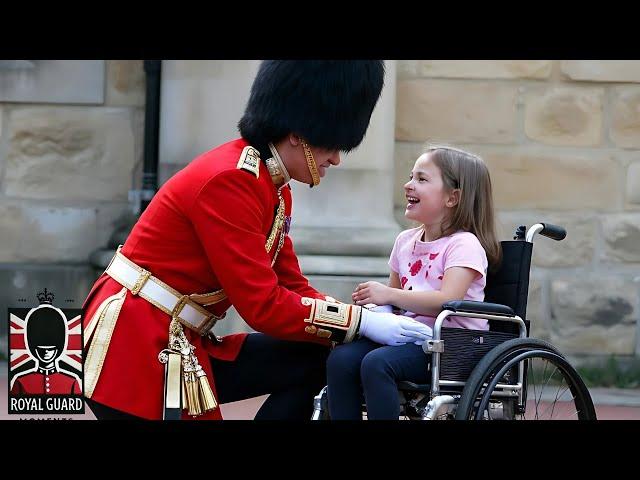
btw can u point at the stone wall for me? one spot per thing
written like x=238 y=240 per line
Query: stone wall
x=68 y=158
x=66 y=169
x=562 y=141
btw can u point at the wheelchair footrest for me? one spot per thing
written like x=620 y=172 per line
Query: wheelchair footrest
x=414 y=387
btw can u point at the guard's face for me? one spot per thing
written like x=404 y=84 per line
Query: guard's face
x=296 y=161
x=325 y=158
x=46 y=353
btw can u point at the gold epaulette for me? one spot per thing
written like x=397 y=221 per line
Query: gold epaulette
x=250 y=160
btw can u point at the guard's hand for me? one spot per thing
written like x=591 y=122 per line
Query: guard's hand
x=371 y=292
x=394 y=330
x=381 y=308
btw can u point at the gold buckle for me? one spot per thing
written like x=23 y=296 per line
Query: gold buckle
x=142 y=279
x=177 y=309
x=207 y=325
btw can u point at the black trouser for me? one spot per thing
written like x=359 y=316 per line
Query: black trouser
x=102 y=412
x=291 y=372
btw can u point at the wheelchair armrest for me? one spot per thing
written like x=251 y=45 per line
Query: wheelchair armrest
x=469 y=306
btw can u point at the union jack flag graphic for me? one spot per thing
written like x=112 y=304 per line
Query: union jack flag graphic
x=21 y=358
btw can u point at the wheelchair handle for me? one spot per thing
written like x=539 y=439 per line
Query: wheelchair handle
x=549 y=230
x=553 y=231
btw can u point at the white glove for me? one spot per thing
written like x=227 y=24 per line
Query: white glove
x=390 y=329
x=380 y=308
x=429 y=332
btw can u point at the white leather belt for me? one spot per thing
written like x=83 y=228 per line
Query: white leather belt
x=140 y=282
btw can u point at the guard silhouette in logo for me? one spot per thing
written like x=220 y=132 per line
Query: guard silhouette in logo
x=46 y=337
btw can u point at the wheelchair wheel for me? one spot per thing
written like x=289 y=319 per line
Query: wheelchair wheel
x=552 y=387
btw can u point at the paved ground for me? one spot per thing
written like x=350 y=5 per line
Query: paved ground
x=616 y=403
x=611 y=404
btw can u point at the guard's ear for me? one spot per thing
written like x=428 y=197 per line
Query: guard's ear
x=294 y=139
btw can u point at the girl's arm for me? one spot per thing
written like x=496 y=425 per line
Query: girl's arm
x=455 y=284
x=394 y=280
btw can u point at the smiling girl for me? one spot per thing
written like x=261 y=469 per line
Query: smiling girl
x=444 y=259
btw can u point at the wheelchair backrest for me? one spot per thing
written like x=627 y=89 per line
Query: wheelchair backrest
x=509 y=284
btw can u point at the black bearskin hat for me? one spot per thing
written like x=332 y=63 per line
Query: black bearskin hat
x=46 y=326
x=327 y=102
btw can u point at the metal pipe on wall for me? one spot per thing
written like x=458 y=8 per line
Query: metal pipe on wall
x=153 y=71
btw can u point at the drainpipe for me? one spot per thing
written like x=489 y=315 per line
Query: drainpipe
x=153 y=72
x=140 y=199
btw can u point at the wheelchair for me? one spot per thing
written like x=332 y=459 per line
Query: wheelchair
x=499 y=374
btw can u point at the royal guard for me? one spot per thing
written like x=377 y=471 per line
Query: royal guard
x=46 y=339
x=216 y=235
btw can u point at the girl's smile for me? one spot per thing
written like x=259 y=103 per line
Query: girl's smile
x=425 y=192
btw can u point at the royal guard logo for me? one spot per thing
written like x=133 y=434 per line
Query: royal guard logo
x=45 y=346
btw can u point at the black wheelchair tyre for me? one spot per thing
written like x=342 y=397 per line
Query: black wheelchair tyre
x=475 y=397
x=578 y=406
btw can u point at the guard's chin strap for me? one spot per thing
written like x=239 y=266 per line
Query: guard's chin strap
x=311 y=164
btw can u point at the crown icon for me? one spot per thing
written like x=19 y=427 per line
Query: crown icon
x=45 y=297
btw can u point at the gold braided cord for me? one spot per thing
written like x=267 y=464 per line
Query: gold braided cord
x=278 y=227
x=277 y=223
x=280 y=243
x=311 y=163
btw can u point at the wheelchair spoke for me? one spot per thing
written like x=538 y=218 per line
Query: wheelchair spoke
x=543 y=376
x=555 y=389
x=544 y=385
x=555 y=402
x=540 y=384
x=556 y=405
x=532 y=373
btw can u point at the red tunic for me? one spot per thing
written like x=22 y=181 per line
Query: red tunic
x=41 y=383
x=205 y=229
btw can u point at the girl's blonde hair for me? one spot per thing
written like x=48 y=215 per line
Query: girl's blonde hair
x=474 y=212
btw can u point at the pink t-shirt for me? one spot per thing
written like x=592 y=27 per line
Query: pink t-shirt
x=421 y=266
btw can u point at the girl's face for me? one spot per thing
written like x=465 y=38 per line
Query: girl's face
x=428 y=201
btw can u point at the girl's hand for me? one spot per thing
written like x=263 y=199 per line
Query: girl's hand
x=371 y=292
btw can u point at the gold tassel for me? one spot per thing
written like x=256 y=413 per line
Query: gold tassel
x=193 y=399
x=206 y=394
x=197 y=395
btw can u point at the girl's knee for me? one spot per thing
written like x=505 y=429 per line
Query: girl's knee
x=342 y=360
x=375 y=365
